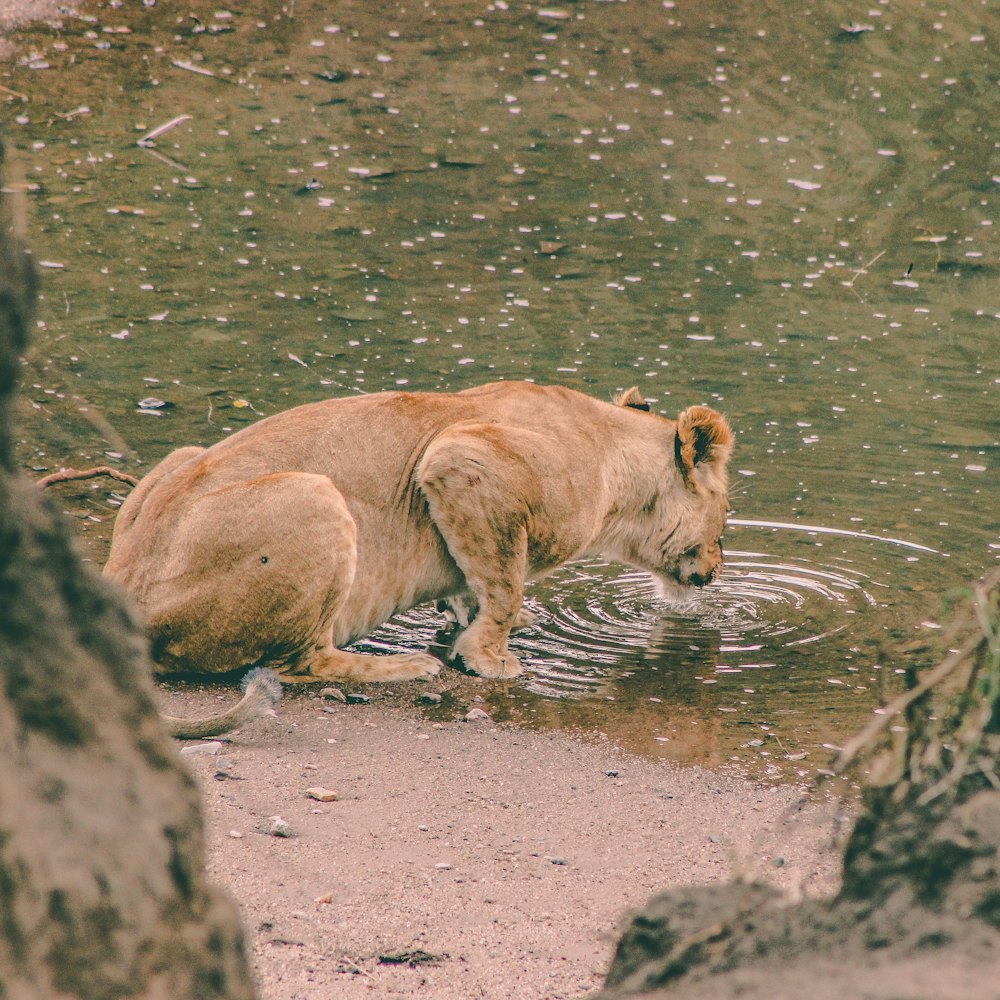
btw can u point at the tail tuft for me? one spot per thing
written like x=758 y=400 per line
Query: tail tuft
x=262 y=681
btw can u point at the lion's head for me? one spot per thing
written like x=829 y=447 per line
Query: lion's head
x=679 y=531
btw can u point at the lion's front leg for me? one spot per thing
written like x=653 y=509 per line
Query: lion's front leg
x=476 y=483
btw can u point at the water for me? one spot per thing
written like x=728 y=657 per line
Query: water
x=753 y=208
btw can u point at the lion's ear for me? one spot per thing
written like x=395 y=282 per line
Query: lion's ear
x=632 y=398
x=702 y=446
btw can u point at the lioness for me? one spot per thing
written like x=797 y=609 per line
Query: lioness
x=305 y=531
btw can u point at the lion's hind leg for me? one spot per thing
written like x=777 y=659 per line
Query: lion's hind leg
x=254 y=573
x=327 y=663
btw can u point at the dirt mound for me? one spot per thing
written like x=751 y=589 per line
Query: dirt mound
x=918 y=913
x=102 y=888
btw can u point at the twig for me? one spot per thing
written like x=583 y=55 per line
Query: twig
x=148 y=138
x=881 y=721
x=864 y=269
x=66 y=475
x=191 y=68
x=14 y=93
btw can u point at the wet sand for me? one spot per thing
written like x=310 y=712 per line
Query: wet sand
x=494 y=861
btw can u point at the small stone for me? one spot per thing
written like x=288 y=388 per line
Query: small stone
x=550 y=246
x=327 y=897
x=334 y=694
x=235 y=834
x=430 y=698
x=443 y=866
x=277 y=826
x=214 y=747
x=556 y=860
x=611 y=774
x=321 y=794
x=476 y=715
x=357 y=699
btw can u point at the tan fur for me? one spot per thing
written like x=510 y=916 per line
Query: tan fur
x=309 y=529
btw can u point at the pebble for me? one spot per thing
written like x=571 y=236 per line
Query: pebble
x=358 y=699
x=235 y=834
x=327 y=897
x=214 y=747
x=476 y=715
x=278 y=826
x=430 y=698
x=558 y=860
x=321 y=794
x=443 y=866
x=611 y=774
x=335 y=694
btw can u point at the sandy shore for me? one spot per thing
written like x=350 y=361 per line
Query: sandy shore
x=502 y=862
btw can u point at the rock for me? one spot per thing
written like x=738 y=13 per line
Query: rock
x=443 y=866
x=277 y=826
x=358 y=699
x=214 y=747
x=333 y=694
x=429 y=698
x=476 y=715
x=102 y=862
x=321 y=794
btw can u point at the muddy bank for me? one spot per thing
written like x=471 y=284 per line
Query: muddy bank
x=501 y=862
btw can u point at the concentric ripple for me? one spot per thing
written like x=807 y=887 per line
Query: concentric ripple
x=597 y=622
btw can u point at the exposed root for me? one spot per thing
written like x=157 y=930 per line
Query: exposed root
x=951 y=713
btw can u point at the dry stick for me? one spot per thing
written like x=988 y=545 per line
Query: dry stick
x=65 y=475
x=864 y=269
x=893 y=709
x=148 y=138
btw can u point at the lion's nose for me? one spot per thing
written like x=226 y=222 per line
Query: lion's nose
x=704 y=579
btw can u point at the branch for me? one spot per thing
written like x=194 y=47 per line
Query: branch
x=65 y=475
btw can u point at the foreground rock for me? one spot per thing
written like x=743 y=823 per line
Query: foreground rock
x=918 y=914
x=102 y=890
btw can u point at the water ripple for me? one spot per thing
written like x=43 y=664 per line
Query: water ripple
x=597 y=622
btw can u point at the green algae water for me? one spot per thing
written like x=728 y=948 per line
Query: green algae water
x=789 y=213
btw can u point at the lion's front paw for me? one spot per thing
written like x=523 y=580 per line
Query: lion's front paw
x=487 y=663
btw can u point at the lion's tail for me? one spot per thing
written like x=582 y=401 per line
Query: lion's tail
x=261 y=693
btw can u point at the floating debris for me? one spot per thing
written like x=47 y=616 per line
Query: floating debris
x=152 y=403
x=147 y=139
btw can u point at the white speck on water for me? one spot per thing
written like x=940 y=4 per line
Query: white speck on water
x=975 y=468
x=804 y=185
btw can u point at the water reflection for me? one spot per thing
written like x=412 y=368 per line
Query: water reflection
x=732 y=204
